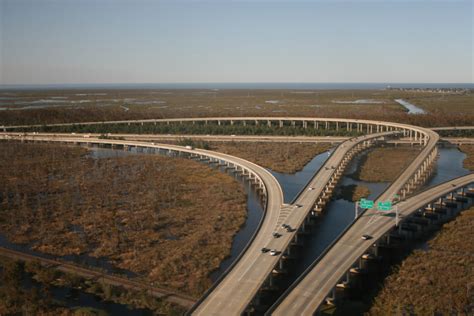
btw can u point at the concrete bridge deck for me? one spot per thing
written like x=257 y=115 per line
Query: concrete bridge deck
x=363 y=126
x=237 y=138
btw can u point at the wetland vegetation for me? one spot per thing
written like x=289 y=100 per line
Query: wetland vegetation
x=384 y=164
x=435 y=281
x=447 y=109
x=170 y=221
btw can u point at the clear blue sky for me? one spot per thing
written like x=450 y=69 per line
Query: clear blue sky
x=116 y=41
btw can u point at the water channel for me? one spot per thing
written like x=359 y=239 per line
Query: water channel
x=412 y=109
x=338 y=214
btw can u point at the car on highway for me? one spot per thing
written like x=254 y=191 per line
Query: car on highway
x=298 y=205
x=265 y=249
x=310 y=189
x=276 y=235
x=273 y=252
x=366 y=237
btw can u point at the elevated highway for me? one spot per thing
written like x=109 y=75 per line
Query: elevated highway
x=234 y=297
x=316 y=284
x=237 y=138
x=362 y=126
x=243 y=280
x=238 y=288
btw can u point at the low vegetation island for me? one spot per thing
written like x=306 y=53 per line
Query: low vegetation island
x=144 y=213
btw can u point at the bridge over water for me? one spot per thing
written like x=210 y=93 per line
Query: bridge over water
x=238 y=289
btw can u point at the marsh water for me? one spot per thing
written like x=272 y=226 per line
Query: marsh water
x=412 y=109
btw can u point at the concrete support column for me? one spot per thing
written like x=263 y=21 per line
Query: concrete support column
x=326 y=124
x=281 y=124
x=269 y=123
x=293 y=123
x=337 y=126
x=316 y=124
x=281 y=265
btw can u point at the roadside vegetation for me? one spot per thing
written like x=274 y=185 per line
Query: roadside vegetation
x=436 y=281
x=469 y=161
x=384 y=164
x=170 y=221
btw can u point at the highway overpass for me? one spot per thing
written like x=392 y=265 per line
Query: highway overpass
x=241 y=282
x=249 y=272
x=362 y=126
x=319 y=281
x=238 y=138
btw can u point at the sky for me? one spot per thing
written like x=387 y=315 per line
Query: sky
x=144 y=41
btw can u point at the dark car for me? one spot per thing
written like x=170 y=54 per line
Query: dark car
x=276 y=235
x=265 y=249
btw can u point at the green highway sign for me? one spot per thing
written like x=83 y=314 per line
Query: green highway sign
x=384 y=206
x=368 y=204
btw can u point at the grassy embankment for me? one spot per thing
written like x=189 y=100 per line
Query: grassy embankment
x=169 y=220
x=117 y=104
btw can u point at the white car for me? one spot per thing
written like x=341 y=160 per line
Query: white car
x=273 y=252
